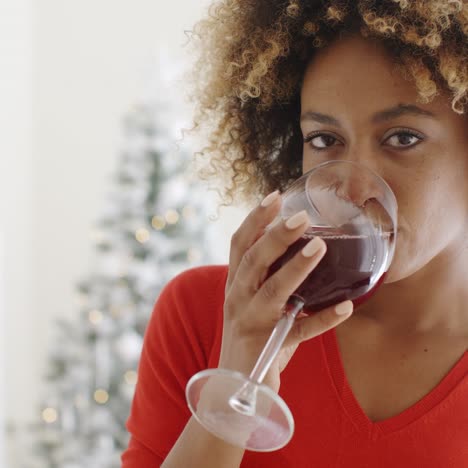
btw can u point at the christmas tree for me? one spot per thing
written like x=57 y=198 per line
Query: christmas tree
x=155 y=224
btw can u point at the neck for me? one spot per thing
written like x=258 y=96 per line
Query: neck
x=435 y=299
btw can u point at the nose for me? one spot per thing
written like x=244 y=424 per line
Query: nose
x=356 y=181
x=344 y=191
x=365 y=189
x=358 y=187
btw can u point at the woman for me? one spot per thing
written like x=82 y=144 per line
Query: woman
x=290 y=84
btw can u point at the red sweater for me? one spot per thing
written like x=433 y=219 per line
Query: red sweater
x=332 y=431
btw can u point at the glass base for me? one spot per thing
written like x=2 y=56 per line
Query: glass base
x=243 y=413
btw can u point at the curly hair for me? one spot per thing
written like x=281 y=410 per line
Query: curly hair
x=252 y=55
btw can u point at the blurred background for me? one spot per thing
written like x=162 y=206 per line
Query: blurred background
x=96 y=215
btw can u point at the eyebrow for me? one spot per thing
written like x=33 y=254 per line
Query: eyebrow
x=378 y=117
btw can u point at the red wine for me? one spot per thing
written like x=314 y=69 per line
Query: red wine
x=352 y=268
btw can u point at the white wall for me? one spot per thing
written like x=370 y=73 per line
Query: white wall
x=88 y=68
x=16 y=224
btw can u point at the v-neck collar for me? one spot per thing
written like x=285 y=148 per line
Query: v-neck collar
x=357 y=415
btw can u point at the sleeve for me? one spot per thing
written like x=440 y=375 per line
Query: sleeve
x=176 y=346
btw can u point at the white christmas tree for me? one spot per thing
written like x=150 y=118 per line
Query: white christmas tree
x=156 y=223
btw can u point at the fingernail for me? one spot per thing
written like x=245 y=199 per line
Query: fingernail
x=269 y=199
x=295 y=221
x=344 y=308
x=312 y=247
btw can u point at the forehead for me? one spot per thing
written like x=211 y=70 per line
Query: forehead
x=359 y=76
x=355 y=68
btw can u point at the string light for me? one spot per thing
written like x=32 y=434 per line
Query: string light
x=188 y=212
x=80 y=401
x=193 y=254
x=125 y=261
x=101 y=396
x=131 y=377
x=97 y=235
x=122 y=283
x=142 y=235
x=123 y=271
x=95 y=316
x=49 y=415
x=81 y=299
x=158 y=222
x=115 y=311
x=172 y=217
x=129 y=257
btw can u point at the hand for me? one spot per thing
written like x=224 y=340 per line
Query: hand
x=253 y=305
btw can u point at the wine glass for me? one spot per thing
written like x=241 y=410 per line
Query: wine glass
x=355 y=212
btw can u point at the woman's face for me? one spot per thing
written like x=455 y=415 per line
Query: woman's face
x=355 y=106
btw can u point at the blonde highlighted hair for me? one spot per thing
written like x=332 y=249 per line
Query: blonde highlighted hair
x=252 y=57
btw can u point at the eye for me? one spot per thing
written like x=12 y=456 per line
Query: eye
x=321 y=141
x=403 y=139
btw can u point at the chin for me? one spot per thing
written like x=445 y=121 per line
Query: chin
x=400 y=269
x=393 y=276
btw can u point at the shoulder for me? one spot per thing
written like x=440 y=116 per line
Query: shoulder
x=179 y=341
x=203 y=276
x=205 y=282
x=190 y=307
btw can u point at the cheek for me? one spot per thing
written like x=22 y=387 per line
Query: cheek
x=306 y=165
x=431 y=216
x=431 y=197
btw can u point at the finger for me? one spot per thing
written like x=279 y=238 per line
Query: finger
x=250 y=230
x=277 y=289
x=311 y=326
x=257 y=260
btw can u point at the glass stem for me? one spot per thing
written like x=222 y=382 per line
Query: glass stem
x=244 y=400
x=277 y=337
